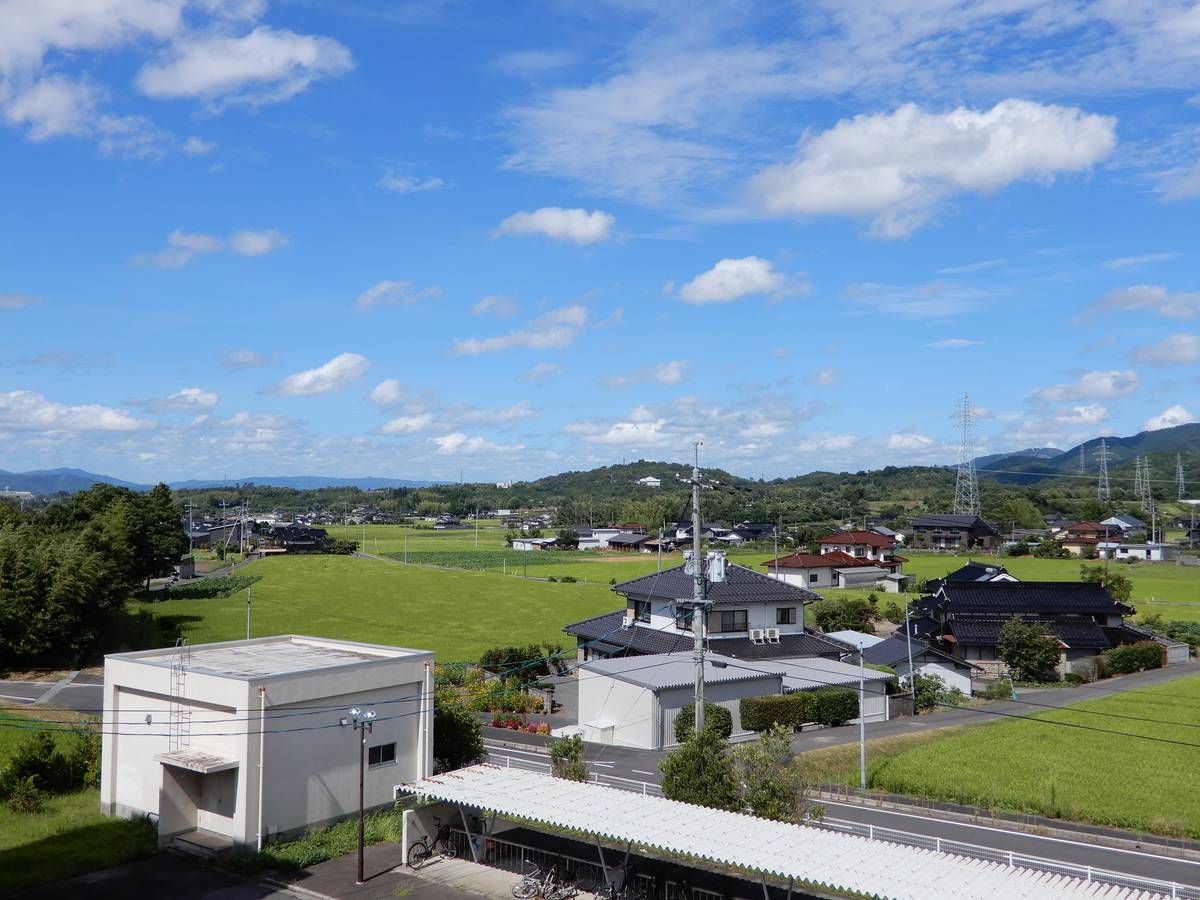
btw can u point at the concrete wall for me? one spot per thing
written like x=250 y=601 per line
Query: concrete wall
x=727 y=694
x=629 y=710
x=951 y=677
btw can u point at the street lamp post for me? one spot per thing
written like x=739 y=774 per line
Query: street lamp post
x=361 y=720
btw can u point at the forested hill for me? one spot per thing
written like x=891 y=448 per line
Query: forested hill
x=1160 y=446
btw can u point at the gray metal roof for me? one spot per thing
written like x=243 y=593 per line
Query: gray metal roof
x=741 y=585
x=671 y=670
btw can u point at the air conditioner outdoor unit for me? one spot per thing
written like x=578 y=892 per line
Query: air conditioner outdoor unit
x=756 y=635
x=627 y=622
x=772 y=635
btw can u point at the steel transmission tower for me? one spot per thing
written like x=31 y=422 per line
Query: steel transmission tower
x=1082 y=459
x=1103 y=455
x=1145 y=494
x=1179 y=480
x=1137 y=476
x=966 y=486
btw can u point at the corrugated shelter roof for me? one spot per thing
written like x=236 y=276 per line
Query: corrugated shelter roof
x=823 y=859
x=741 y=585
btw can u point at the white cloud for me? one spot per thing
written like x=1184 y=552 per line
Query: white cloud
x=195 y=146
x=967 y=269
x=515 y=413
x=182 y=247
x=532 y=63
x=576 y=225
x=1130 y=262
x=408 y=424
x=1170 y=417
x=333 y=375
x=899 y=168
x=934 y=300
x=822 y=377
x=953 y=343
x=625 y=434
x=29 y=410
x=557 y=328
x=1180 y=183
x=266 y=65
x=542 y=371
x=458 y=444
x=256 y=243
x=907 y=441
x=1093 y=385
x=496 y=305
x=1149 y=297
x=663 y=373
x=1082 y=416
x=732 y=279
x=17 y=301
x=402 y=183
x=387 y=293
x=1176 y=350
x=389 y=392
x=189 y=398
x=236 y=360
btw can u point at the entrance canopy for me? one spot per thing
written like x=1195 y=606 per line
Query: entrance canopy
x=809 y=856
x=201 y=761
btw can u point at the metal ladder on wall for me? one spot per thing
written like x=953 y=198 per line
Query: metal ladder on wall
x=179 y=729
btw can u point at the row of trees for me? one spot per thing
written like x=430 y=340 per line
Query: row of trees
x=67 y=570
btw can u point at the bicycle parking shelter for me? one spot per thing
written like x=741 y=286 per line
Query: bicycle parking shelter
x=793 y=855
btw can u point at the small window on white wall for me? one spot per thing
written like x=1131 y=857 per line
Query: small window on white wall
x=381 y=755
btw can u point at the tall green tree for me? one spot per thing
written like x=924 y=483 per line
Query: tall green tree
x=771 y=784
x=566 y=759
x=457 y=737
x=1119 y=586
x=701 y=772
x=1030 y=650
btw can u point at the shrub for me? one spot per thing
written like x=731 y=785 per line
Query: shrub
x=930 y=692
x=717 y=721
x=763 y=713
x=38 y=761
x=834 y=705
x=701 y=772
x=999 y=690
x=1074 y=678
x=568 y=579
x=1134 y=657
x=24 y=796
x=566 y=759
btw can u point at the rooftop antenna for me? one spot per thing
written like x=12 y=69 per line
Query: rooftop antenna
x=1103 y=455
x=966 y=485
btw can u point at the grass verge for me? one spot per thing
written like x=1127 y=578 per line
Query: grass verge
x=287 y=858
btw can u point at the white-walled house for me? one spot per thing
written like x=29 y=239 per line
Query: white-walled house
x=838 y=569
x=1150 y=552
x=860 y=544
x=237 y=743
x=650 y=481
x=750 y=616
x=894 y=652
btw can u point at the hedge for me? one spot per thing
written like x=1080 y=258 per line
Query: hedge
x=788 y=710
x=834 y=705
x=1134 y=657
x=717 y=720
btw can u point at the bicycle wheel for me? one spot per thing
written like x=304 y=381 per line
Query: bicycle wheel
x=418 y=855
x=525 y=889
x=447 y=849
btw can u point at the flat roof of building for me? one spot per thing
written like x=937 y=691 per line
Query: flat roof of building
x=660 y=671
x=288 y=654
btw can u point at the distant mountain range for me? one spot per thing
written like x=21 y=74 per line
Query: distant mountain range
x=53 y=481
x=1026 y=467
x=1019 y=467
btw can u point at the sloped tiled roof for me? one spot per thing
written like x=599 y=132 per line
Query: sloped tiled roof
x=741 y=585
x=1080 y=634
x=895 y=649
x=1036 y=597
x=858 y=537
x=950 y=520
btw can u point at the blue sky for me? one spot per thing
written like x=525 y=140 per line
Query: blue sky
x=362 y=238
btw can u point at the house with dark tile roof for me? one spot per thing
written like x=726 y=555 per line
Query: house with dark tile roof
x=951 y=531
x=964 y=618
x=750 y=616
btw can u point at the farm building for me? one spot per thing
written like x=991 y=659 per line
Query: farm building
x=525 y=544
x=233 y=744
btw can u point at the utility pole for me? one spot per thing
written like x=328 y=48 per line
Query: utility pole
x=862 y=721
x=776 y=530
x=1103 y=455
x=361 y=720
x=249 y=608
x=698 y=610
x=912 y=675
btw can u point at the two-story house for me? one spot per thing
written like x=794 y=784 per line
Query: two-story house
x=838 y=569
x=750 y=616
x=951 y=531
x=860 y=544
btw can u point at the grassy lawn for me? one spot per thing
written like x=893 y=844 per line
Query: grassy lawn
x=1068 y=773
x=68 y=837
x=456 y=614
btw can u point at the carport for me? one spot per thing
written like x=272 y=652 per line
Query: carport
x=795 y=855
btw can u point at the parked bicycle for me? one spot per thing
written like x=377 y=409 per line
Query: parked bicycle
x=422 y=849
x=546 y=884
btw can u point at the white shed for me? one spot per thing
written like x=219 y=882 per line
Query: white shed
x=954 y=672
x=633 y=701
x=235 y=743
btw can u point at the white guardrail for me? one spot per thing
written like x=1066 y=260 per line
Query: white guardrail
x=1090 y=874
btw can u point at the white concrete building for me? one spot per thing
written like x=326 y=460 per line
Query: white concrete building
x=650 y=481
x=1151 y=552
x=236 y=743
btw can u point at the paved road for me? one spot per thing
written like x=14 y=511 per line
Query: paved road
x=162 y=875
x=84 y=693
